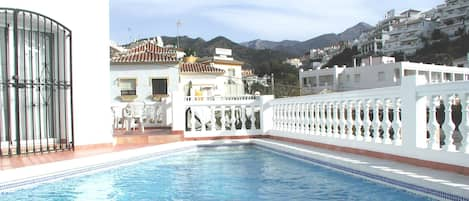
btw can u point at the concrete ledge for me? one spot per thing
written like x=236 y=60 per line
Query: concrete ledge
x=412 y=161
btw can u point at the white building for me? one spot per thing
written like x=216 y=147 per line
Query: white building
x=198 y=79
x=296 y=62
x=57 y=25
x=407 y=35
x=145 y=73
x=372 y=42
x=454 y=16
x=380 y=74
x=233 y=70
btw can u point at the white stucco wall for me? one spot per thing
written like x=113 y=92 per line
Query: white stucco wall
x=369 y=76
x=144 y=73
x=198 y=80
x=89 y=22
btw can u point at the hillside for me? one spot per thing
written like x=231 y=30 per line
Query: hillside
x=300 y=47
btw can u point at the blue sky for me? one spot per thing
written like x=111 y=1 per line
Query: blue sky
x=244 y=20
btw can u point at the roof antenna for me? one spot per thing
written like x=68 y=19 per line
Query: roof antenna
x=178 y=24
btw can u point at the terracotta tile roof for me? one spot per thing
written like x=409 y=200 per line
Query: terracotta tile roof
x=198 y=68
x=146 y=53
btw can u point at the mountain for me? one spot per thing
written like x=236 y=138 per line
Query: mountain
x=261 y=60
x=355 y=31
x=265 y=44
x=299 y=48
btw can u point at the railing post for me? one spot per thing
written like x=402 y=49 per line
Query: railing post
x=266 y=113
x=414 y=133
x=178 y=106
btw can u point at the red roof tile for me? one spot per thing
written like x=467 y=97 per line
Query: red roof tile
x=147 y=53
x=198 y=68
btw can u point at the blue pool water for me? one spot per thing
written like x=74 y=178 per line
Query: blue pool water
x=219 y=173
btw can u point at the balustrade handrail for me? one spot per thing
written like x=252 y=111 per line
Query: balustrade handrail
x=220 y=98
x=438 y=88
x=343 y=96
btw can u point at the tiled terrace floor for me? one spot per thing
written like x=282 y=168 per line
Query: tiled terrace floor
x=125 y=141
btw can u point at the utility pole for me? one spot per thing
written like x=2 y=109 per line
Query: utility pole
x=178 y=24
x=273 y=83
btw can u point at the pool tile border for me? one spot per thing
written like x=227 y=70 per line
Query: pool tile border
x=386 y=180
x=21 y=183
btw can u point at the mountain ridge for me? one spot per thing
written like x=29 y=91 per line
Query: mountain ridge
x=300 y=47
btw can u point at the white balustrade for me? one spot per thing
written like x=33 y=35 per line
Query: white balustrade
x=367 y=121
x=386 y=122
x=464 y=126
x=396 y=123
x=376 y=122
x=358 y=121
x=433 y=126
x=211 y=116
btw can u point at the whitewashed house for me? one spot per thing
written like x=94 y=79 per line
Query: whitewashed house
x=233 y=79
x=383 y=72
x=145 y=74
x=197 y=79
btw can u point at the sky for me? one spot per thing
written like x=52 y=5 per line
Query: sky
x=245 y=20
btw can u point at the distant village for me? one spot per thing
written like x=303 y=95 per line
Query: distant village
x=402 y=33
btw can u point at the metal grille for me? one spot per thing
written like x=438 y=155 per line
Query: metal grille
x=36 y=104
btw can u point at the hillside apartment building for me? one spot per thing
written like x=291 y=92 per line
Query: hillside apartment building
x=376 y=72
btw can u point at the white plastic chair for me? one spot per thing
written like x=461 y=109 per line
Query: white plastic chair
x=137 y=115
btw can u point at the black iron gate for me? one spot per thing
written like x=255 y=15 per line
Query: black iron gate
x=36 y=112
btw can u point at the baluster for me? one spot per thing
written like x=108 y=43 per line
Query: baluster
x=358 y=121
x=336 y=119
x=386 y=121
x=397 y=124
x=350 y=121
x=214 y=121
x=243 y=117
x=311 y=119
x=329 y=121
x=192 y=119
x=253 y=117
x=223 y=119
x=276 y=117
x=233 y=120
x=318 y=119
x=287 y=117
x=376 y=122
x=448 y=126
x=433 y=126
x=343 y=121
x=323 y=119
x=280 y=117
x=201 y=118
x=297 y=118
x=367 y=121
x=464 y=126
x=305 y=112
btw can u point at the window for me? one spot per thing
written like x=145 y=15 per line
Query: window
x=128 y=86
x=356 y=78
x=159 y=86
x=381 y=76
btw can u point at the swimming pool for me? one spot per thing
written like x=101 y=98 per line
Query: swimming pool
x=216 y=173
